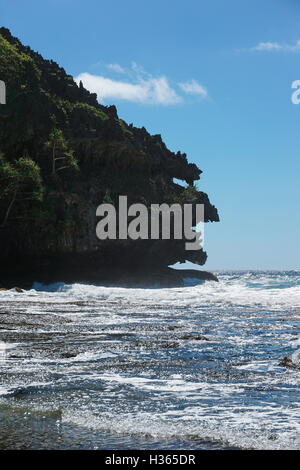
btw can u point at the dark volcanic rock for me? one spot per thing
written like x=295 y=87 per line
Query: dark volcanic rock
x=195 y=274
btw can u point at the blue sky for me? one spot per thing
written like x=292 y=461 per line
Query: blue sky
x=214 y=79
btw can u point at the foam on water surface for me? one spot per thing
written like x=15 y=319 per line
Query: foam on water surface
x=193 y=364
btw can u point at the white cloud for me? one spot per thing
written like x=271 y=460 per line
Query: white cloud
x=267 y=46
x=192 y=87
x=146 y=91
x=138 y=86
x=275 y=46
x=116 y=68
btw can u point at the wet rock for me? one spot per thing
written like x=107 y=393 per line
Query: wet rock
x=68 y=355
x=197 y=274
x=194 y=337
x=14 y=289
x=289 y=363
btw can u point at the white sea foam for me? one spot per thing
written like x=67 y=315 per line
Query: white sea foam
x=244 y=430
x=243 y=290
x=138 y=366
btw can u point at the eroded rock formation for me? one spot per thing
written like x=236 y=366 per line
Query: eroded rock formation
x=48 y=217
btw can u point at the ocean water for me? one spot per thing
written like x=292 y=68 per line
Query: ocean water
x=199 y=367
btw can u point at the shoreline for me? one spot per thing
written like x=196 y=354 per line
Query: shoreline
x=146 y=276
x=45 y=430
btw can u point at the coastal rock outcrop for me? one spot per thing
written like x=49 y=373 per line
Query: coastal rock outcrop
x=61 y=155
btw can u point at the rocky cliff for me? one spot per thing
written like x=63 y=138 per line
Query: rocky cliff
x=61 y=155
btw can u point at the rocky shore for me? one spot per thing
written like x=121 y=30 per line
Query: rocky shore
x=26 y=275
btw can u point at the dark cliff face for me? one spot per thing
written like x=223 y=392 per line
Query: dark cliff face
x=47 y=208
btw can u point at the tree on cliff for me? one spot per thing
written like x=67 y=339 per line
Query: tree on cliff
x=19 y=182
x=60 y=152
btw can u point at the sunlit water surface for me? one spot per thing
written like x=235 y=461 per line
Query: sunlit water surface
x=198 y=367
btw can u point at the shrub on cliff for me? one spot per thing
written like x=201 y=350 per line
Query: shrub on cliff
x=20 y=185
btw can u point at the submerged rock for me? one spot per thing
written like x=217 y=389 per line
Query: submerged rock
x=194 y=337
